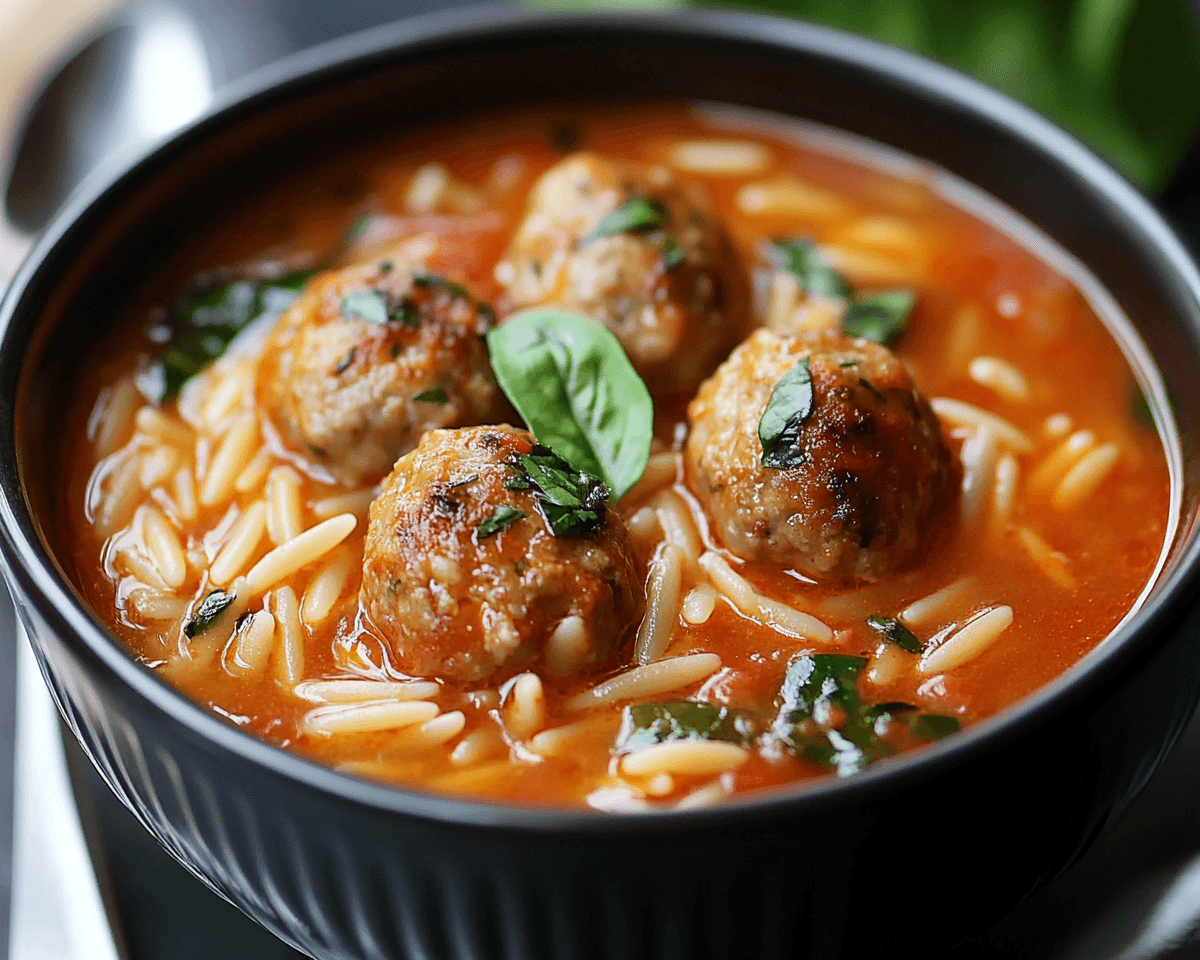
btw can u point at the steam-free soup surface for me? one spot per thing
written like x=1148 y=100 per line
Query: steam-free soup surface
x=703 y=638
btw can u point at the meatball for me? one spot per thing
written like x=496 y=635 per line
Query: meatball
x=865 y=468
x=669 y=285
x=371 y=356
x=463 y=575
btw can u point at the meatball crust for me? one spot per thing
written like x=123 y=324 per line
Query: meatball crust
x=874 y=461
x=371 y=356
x=673 y=294
x=457 y=600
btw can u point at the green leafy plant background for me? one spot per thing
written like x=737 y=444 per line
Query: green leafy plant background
x=1123 y=75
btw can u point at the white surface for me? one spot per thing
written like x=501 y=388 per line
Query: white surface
x=57 y=913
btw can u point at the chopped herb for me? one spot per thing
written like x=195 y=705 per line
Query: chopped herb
x=203 y=324
x=571 y=381
x=432 y=395
x=570 y=501
x=848 y=364
x=645 y=724
x=502 y=518
x=799 y=258
x=368 y=305
x=423 y=278
x=386 y=267
x=880 y=316
x=209 y=611
x=396 y=348
x=870 y=386
x=638 y=215
x=405 y=311
x=823 y=717
x=344 y=363
x=893 y=631
x=790 y=405
x=932 y=726
x=672 y=254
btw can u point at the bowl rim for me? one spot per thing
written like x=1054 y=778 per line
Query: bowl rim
x=30 y=566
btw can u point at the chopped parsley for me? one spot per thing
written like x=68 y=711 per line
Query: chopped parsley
x=432 y=395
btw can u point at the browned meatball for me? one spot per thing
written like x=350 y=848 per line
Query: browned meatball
x=371 y=356
x=868 y=463
x=463 y=576
x=670 y=288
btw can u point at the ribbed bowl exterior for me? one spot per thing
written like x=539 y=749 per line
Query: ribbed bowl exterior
x=916 y=851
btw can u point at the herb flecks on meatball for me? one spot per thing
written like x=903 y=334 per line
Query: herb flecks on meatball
x=464 y=574
x=848 y=481
x=634 y=249
x=370 y=357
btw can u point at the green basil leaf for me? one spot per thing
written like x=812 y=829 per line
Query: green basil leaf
x=502 y=518
x=432 y=395
x=209 y=611
x=672 y=254
x=816 y=685
x=368 y=305
x=423 y=278
x=204 y=323
x=645 y=724
x=572 y=383
x=893 y=631
x=570 y=501
x=880 y=316
x=639 y=215
x=817 y=279
x=933 y=726
x=790 y=405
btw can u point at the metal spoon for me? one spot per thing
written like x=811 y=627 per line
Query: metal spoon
x=144 y=74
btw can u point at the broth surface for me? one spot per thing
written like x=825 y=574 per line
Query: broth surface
x=1069 y=558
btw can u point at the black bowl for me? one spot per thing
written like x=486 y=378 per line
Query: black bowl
x=918 y=850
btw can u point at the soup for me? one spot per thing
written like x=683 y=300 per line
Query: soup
x=872 y=501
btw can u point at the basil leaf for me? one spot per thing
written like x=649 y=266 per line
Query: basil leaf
x=209 y=611
x=823 y=717
x=432 y=395
x=880 y=316
x=638 y=215
x=672 y=254
x=205 y=323
x=570 y=380
x=933 y=726
x=502 y=518
x=817 y=279
x=570 y=501
x=790 y=405
x=368 y=305
x=423 y=278
x=645 y=724
x=893 y=631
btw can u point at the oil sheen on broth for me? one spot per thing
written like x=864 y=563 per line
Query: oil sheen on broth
x=933 y=538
